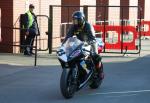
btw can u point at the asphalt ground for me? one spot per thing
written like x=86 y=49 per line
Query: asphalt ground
x=127 y=80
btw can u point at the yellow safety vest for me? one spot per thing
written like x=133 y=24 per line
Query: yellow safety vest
x=30 y=17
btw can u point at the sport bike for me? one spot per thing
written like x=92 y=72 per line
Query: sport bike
x=79 y=67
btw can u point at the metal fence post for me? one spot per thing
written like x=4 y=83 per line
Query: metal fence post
x=50 y=29
x=140 y=9
x=35 y=61
x=105 y=27
x=122 y=31
x=85 y=11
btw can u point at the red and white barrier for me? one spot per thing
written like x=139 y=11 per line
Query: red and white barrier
x=117 y=45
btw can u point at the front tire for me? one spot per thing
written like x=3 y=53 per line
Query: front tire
x=66 y=85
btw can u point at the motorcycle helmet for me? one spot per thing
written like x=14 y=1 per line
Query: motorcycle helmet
x=78 y=18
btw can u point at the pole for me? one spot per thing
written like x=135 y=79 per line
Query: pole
x=35 y=59
x=50 y=29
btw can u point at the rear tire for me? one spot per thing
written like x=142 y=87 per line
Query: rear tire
x=97 y=78
x=66 y=85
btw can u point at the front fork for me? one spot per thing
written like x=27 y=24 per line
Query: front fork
x=75 y=75
x=75 y=72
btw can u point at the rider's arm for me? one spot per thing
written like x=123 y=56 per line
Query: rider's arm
x=92 y=38
x=91 y=32
x=69 y=34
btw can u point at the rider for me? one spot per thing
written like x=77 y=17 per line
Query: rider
x=83 y=30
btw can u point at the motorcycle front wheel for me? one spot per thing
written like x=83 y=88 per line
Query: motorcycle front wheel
x=66 y=85
x=97 y=78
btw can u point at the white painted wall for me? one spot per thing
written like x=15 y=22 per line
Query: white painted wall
x=147 y=10
x=114 y=12
x=91 y=10
x=133 y=12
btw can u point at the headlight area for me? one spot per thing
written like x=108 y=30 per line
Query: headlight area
x=64 y=64
x=69 y=64
x=75 y=53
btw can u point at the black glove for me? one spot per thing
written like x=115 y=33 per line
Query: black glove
x=91 y=42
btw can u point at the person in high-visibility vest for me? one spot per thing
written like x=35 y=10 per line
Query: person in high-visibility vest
x=31 y=29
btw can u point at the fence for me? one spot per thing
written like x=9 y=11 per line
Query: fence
x=17 y=45
x=117 y=29
x=121 y=33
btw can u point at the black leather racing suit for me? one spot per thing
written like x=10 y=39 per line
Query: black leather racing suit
x=85 y=33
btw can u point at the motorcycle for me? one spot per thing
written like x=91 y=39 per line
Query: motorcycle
x=78 y=67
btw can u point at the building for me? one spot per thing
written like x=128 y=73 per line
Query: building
x=10 y=11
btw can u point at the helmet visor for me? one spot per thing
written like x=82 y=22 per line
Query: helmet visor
x=78 y=21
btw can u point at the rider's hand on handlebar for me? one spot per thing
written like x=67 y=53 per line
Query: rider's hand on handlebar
x=91 y=42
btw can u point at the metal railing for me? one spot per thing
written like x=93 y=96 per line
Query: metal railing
x=85 y=8
x=15 y=31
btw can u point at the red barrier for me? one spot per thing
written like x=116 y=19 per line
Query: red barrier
x=145 y=33
x=126 y=45
x=130 y=45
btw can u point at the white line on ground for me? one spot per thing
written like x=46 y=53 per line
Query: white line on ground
x=123 y=92
x=126 y=95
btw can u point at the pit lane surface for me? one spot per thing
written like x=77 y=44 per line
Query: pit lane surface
x=125 y=82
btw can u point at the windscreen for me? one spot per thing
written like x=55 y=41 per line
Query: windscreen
x=71 y=44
